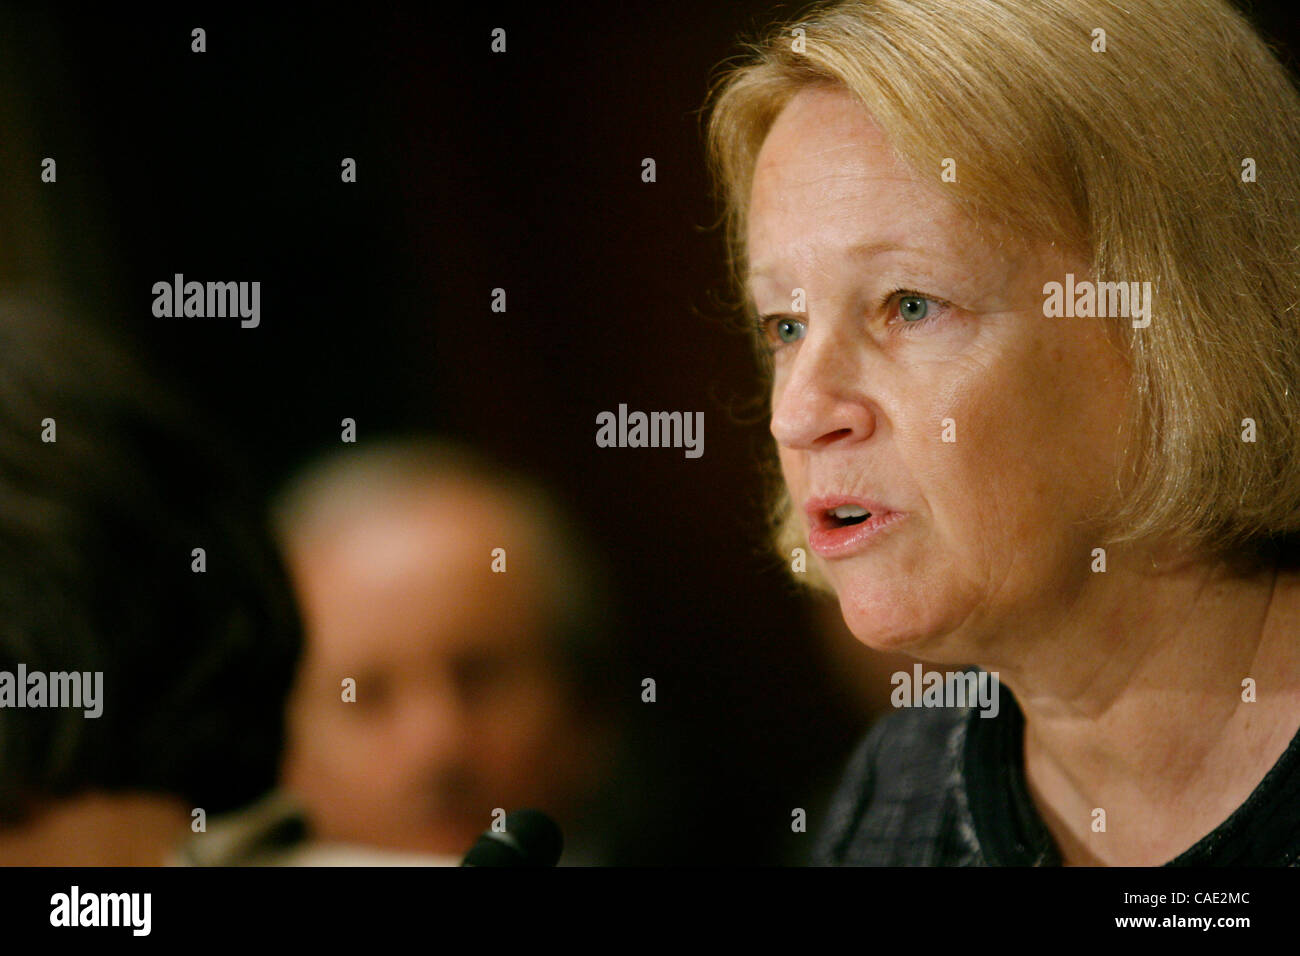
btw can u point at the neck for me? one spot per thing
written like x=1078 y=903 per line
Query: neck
x=1134 y=704
x=98 y=830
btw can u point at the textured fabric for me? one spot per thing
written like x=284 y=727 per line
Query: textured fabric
x=945 y=786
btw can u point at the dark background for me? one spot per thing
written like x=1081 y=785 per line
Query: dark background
x=475 y=171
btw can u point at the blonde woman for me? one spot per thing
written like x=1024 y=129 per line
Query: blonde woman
x=1027 y=277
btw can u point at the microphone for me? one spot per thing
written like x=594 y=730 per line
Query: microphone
x=530 y=838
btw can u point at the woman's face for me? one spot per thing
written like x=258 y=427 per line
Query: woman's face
x=924 y=385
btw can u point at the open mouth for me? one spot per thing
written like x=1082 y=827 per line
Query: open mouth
x=846 y=516
x=840 y=526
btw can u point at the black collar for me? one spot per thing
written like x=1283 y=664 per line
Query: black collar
x=1263 y=831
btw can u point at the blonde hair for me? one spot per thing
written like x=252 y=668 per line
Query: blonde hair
x=1134 y=156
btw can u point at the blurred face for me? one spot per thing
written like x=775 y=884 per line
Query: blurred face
x=948 y=448
x=458 y=709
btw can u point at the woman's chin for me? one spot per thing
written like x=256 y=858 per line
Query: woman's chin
x=890 y=627
x=889 y=641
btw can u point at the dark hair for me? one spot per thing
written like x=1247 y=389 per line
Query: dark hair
x=96 y=533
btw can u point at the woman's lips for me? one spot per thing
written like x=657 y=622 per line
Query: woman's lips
x=830 y=538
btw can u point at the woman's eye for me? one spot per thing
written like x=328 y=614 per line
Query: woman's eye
x=778 y=331
x=789 y=330
x=913 y=308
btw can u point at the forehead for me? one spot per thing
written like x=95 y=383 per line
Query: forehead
x=414 y=573
x=826 y=181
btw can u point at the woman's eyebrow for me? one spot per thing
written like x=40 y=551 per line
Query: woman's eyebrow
x=860 y=250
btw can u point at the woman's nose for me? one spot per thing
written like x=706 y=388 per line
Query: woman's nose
x=821 y=399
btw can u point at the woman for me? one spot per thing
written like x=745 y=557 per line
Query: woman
x=1028 y=278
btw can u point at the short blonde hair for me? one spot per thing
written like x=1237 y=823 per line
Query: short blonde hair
x=1135 y=155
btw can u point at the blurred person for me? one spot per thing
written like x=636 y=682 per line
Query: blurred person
x=106 y=489
x=108 y=484
x=460 y=603
x=142 y=685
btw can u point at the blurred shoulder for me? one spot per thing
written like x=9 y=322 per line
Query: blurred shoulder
x=273 y=832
